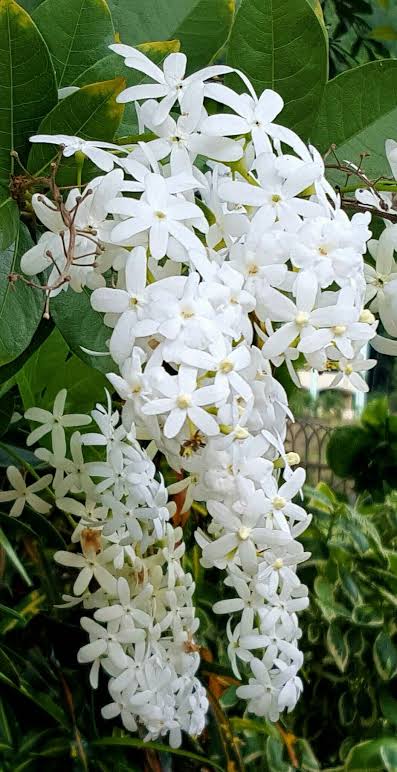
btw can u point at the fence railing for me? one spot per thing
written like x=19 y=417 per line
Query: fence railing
x=310 y=438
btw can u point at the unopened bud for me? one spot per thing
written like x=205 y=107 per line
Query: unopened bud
x=366 y=316
x=292 y=458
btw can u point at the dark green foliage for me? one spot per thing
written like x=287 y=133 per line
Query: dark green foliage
x=367 y=452
x=350 y=642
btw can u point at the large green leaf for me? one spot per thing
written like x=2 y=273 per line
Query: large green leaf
x=112 y=66
x=9 y=218
x=21 y=307
x=27 y=82
x=52 y=368
x=80 y=326
x=202 y=26
x=358 y=113
x=77 y=33
x=91 y=113
x=368 y=755
x=11 y=368
x=283 y=46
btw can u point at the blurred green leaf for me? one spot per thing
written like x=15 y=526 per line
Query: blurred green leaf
x=367 y=616
x=7 y=404
x=135 y=742
x=13 y=557
x=275 y=756
x=385 y=656
x=347 y=709
x=337 y=646
x=367 y=755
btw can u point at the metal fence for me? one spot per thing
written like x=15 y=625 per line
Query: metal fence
x=310 y=438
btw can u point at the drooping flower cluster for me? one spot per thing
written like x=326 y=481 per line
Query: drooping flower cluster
x=130 y=580
x=221 y=273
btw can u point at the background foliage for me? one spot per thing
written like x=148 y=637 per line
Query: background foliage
x=333 y=64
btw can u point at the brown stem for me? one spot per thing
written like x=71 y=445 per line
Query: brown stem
x=289 y=741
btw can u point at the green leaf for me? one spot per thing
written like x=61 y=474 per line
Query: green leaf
x=135 y=742
x=12 y=368
x=21 y=307
x=385 y=656
x=346 y=708
x=326 y=601
x=52 y=368
x=27 y=82
x=77 y=33
x=25 y=611
x=112 y=66
x=388 y=706
x=6 y=410
x=349 y=585
x=9 y=454
x=275 y=755
x=337 y=646
x=355 y=443
x=202 y=26
x=80 y=326
x=367 y=616
x=10 y=612
x=388 y=754
x=13 y=557
x=358 y=112
x=307 y=759
x=367 y=755
x=283 y=46
x=9 y=219
x=91 y=113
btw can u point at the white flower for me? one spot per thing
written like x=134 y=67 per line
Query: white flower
x=260 y=692
x=276 y=193
x=350 y=369
x=94 y=150
x=244 y=533
x=184 y=139
x=170 y=83
x=253 y=116
x=182 y=399
x=91 y=565
x=25 y=494
x=302 y=319
x=159 y=213
x=381 y=280
x=54 y=422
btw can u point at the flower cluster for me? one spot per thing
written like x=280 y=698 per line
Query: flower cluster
x=130 y=573
x=230 y=256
